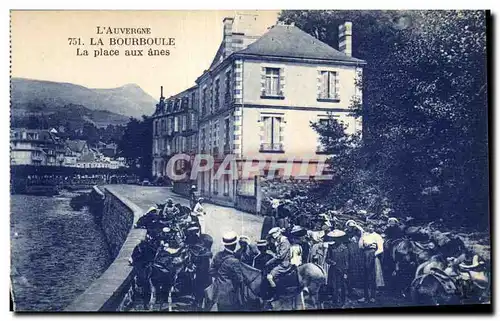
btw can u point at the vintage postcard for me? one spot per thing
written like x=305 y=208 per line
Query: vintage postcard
x=240 y=161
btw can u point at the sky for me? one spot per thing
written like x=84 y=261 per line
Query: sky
x=41 y=48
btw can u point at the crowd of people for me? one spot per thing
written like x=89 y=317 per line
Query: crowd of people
x=358 y=258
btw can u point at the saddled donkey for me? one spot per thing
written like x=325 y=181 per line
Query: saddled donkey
x=450 y=281
x=165 y=270
x=142 y=258
x=310 y=279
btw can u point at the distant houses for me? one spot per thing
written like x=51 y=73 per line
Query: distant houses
x=41 y=147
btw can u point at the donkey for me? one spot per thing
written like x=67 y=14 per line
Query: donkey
x=310 y=279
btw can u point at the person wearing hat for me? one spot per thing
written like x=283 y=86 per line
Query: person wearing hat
x=264 y=256
x=198 y=214
x=337 y=259
x=372 y=245
x=200 y=259
x=247 y=250
x=228 y=278
x=149 y=219
x=192 y=234
x=356 y=256
x=297 y=234
x=282 y=258
x=169 y=210
x=393 y=231
x=192 y=197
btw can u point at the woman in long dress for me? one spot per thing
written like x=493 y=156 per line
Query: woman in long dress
x=372 y=245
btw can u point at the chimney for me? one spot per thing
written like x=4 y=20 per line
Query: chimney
x=227 y=36
x=161 y=91
x=345 y=38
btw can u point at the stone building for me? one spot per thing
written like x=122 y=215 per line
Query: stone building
x=259 y=97
x=174 y=130
x=35 y=147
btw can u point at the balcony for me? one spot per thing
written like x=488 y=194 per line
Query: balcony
x=227 y=149
x=271 y=148
x=215 y=151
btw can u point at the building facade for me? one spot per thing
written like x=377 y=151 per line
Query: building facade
x=260 y=95
x=35 y=147
x=175 y=127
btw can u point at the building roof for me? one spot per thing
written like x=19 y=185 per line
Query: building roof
x=291 y=42
x=76 y=145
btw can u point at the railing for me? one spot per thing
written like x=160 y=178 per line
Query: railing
x=271 y=147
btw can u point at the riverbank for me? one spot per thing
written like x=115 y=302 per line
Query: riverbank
x=116 y=215
x=56 y=252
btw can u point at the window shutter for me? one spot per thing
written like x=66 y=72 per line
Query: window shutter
x=337 y=86
x=282 y=82
x=319 y=89
x=276 y=130
x=267 y=130
x=263 y=81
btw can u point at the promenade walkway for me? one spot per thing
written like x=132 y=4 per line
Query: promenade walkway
x=219 y=219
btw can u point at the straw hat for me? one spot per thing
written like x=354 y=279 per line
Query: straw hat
x=230 y=238
x=334 y=236
x=351 y=223
x=244 y=238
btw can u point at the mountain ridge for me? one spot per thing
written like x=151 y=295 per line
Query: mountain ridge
x=129 y=100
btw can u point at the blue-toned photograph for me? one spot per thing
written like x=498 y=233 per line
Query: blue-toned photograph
x=250 y=161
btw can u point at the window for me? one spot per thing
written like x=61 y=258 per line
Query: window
x=163 y=127
x=176 y=124
x=184 y=122
x=227 y=95
x=216 y=94
x=203 y=140
x=215 y=187
x=226 y=133
x=215 y=137
x=272 y=83
x=328 y=85
x=193 y=121
x=324 y=121
x=272 y=134
x=204 y=100
x=226 y=185
x=193 y=96
x=183 y=144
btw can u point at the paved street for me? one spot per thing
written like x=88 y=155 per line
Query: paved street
x=219 y=219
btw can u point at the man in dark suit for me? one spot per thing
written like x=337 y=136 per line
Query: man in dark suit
x=228 y=278
x=264 y=256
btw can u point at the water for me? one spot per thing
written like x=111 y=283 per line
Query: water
x=56 y=252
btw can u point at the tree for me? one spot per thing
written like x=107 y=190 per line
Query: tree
x=424 y=106
x=136 y=145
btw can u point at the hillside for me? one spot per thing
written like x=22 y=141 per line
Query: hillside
x=27 y=95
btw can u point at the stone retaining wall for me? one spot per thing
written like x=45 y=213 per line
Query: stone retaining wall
x=111 y=291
